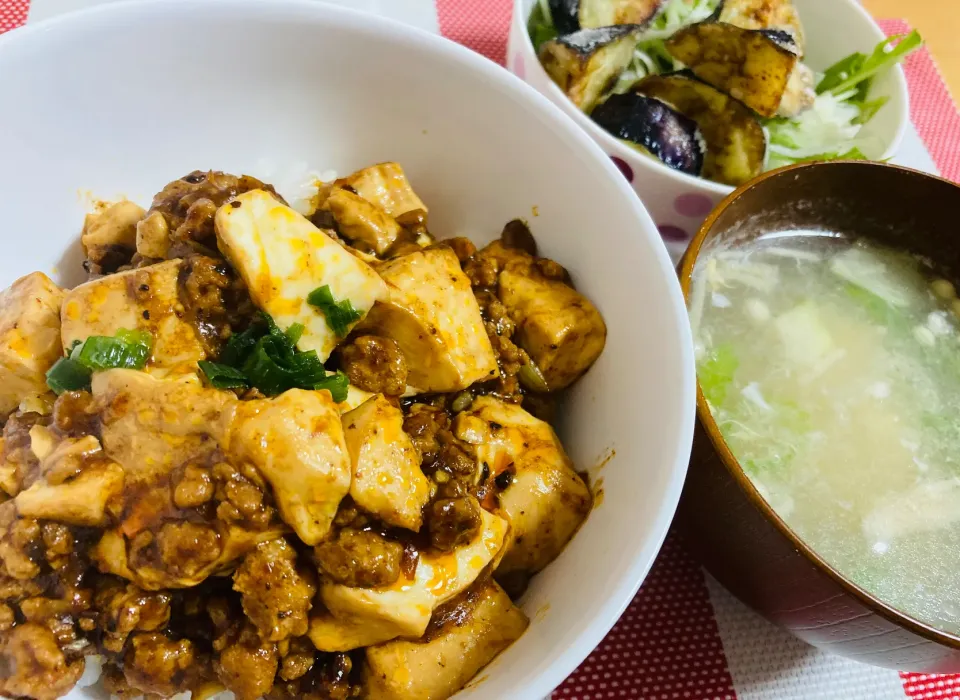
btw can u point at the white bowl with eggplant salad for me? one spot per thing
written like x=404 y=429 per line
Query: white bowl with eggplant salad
x=692 y=98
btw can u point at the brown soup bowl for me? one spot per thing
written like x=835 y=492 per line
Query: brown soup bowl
x=726 y=522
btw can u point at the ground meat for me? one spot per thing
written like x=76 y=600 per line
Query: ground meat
x=242 y=497
x=215 y=300
x=453 y=517
x=510 y=357
x=58 y=543
x=463 y=247
x=32 y=665
x=186 y=548
x=332 y=678
x=16 y=447
x=193 y=488
x=375 y=364
x=299 y=658
x=483 y=271
x=360 y=558
x=7 y=617
x=13 y=591
x=276 y=592
x=75 y=415
x=59 y=616
x=247 y=665
x=21 y=544
x=154 y=663
x=429 y=429
x=189 y=204
x=124 y=609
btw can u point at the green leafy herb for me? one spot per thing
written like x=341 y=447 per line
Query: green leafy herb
x=125 y=350
x=336 y=384
x=68 y=375
x=339 y=314
x=541 y=26
x=857 y=68
x=223 y=376
x=716 y=373
x=265 y=357
x=295 y=332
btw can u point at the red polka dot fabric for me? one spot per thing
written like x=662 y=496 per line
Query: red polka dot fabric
x=665 y=646
x=920 y=686
x=13 y=13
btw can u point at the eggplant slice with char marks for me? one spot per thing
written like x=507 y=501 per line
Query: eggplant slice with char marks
x=586 y=64
x=655 y=128
x=736 y=144
x=778 y=15
x=746 y=64
x=572 y=15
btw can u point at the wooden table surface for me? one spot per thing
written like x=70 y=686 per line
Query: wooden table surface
x=939 y=23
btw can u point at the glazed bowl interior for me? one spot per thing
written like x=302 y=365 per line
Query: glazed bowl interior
x=277 y=89
x=888 y=205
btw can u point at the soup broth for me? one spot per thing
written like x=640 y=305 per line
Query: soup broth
x=832 y=368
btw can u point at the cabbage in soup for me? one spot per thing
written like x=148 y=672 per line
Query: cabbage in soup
x=833 y=371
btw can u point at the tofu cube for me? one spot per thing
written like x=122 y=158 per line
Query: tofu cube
x=147 y=299
x=29 y=337
x=385 y=185
x=433 y=315
x=441 y=663
x=363 y=616
x=546 y=501
x=282 y=257
x=387 y=480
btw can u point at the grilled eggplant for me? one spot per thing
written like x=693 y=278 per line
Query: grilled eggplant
x=654 y=127
x=744 y=63
x=586 y=63
x=736 y=144
x=571 y=15
x=777 y=15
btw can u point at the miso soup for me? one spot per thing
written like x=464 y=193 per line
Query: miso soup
x=832 y=368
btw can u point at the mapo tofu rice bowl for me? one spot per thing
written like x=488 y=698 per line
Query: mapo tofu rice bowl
x=391 y=397
x=282 y=455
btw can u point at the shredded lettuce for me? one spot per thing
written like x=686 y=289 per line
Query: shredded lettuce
x=829 y=129
x=651 y=56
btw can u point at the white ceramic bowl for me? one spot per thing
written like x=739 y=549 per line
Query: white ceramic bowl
x=121 y=99
x=678 y=202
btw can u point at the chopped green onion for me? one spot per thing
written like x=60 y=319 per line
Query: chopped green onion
x=339 y=314
x=68 y=375
x=295 y=332
x=127 y=350
x=336 y=384
x=222 y=376
x=265 y=357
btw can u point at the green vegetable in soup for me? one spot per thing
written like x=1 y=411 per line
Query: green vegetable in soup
x=715 y=374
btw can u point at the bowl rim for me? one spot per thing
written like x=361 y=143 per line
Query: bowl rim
x=559 y=663
x=621 y=150
x=706 y=420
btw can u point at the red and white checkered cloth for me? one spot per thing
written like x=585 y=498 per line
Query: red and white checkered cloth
x=684 y=637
